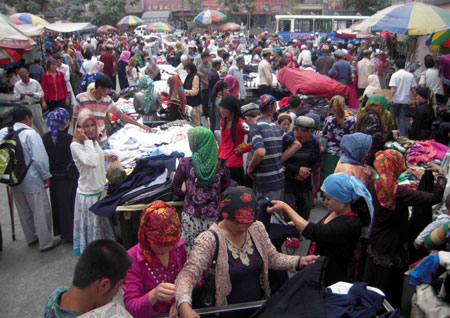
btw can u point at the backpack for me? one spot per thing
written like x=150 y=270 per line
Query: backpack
x=13 y=168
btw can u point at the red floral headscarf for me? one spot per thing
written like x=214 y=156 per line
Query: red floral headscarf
x=160 y=225
x=389 y=164
x=239 y=204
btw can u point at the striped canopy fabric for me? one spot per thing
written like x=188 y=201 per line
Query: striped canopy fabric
x=208 y=17
x=130 y=20
x=27 y=18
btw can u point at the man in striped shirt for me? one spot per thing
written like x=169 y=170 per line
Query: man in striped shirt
x=99 y=103
x=266 y=138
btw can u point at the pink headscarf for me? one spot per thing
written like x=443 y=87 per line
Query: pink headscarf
x=125 y=56
x=233 y=85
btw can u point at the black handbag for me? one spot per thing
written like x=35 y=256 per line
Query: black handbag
x=205 y=295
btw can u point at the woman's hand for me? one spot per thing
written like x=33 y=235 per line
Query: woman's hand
x=306 y=260
x=162 y=292
x=278 y=206
x=173 y=311
x=185 y=310
x=238 y=152
x=44 y=105
x=436 y=168
x=80 y=135
x=67 y=101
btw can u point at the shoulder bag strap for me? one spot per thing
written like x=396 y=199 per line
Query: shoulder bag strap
x=216 y=252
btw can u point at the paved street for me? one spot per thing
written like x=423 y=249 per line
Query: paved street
x=27 y=276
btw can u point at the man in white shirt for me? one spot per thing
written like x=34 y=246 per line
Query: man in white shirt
x=265 y=73
x=402 y=83
x=88 y=63
x=364 y=68
x=30 y=92
x=304 y=57
x=430 y=78
x=237 y=71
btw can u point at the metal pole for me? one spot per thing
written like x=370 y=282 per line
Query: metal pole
x=11 y=211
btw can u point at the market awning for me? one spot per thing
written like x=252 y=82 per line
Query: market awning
x=13 y=38
x=156 y=16
x=34 y=31
x=69 y=27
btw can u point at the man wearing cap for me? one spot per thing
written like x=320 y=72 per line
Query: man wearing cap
x=298 y=187
x=237 y=70
x=265 y=167
x=110 y=64
x=304 y=57
x=364 y=68
x=292 y=48
x=265 y=73
x=203 y=72
x=340 y=70
x=325 y=62
x=180 y=68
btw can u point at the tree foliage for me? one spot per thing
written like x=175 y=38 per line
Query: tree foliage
x=366 y=7
x=28 y=6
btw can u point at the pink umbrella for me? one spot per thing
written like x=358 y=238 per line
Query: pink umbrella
x=104 y=29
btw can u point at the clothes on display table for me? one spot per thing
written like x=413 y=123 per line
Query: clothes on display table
x=138 y=182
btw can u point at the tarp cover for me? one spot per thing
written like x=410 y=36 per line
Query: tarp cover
x=308 y=82
x=32 y=30
x=11 y=37
x=68 y=27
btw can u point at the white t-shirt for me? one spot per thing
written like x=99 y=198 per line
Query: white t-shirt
x=403 y=81
x=430 y=78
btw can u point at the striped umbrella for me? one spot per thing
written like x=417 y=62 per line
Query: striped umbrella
x=208 y=17
x=130 y=20
x=412 y=19
x=160 y=27
x=440 y=40
x=106 y=29
x=8 y=55
x=27 y=18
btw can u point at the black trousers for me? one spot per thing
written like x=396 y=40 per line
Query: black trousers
x=205 y=102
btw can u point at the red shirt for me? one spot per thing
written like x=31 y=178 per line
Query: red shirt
x=227 y=145
x=108 y=59
x=54 y=89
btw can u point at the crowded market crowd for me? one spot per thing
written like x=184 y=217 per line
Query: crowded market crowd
x=261 y=158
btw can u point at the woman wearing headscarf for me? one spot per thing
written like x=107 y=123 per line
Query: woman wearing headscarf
x=64 y=173
x=278 y=59
x=377 y=104
x=54 y=87
x=387 y=253
x=177 y=100
x=355 y=148
x=96 y=71
x=374 y=87
x=338 y=233
x=338 y=123
x=245 y=256
x=200 y=179
x=147 y=101
x=232 y=135
x=192 y=91
x=423 y=116
x=121 y=69
x=220 y=89
x=90 y=162
x=233 y=85
x=149 y=287
x=132 y=75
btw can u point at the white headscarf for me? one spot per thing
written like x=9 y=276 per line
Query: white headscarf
x=374 y=86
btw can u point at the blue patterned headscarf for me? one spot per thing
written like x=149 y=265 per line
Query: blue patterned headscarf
x=146 y=82
x=55 y=119
x=266 y=100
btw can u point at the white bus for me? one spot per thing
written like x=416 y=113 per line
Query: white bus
x=291 y=27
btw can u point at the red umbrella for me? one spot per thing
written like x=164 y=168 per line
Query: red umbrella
x=104 y=29
x=229 y=26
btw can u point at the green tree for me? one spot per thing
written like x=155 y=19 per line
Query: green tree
x=75 y=12
x=366 y=7
x=28 y=6
x=240 y=5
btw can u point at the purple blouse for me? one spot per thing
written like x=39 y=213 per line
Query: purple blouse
x=198 y=202
x=143 y=277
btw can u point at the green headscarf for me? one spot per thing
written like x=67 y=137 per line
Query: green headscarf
x=204 y=155
x=379 y=99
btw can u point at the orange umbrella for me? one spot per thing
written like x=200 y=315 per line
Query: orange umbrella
x=229 y=26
